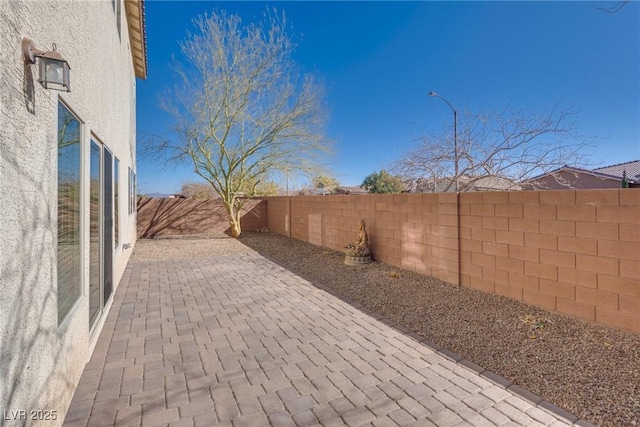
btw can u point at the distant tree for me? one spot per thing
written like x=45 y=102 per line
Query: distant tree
x=262 y=188
x=382 y=182
x=243 y=111
x=325 y=182
x=203 y=190
x=268 y=189
x=508 y=145
x=625 y=182
x=197 y=190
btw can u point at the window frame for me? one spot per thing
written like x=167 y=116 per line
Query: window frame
x=116 y=208
x=129 y=176
x=132 y=192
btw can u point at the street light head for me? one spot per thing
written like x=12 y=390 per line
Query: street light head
x=433 y=94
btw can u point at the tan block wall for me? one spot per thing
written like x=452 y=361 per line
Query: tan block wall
x=417 y=232
x=279 y=220
x=165 y=217
x=576 y=252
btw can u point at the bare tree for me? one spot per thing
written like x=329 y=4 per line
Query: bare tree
x=615 y=8
x=243 y=110
x=495 y=150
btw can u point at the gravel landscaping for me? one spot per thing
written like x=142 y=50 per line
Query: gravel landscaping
x=591 y=371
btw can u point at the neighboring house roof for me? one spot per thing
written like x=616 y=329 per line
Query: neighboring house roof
x=572 y=169
x=313 y=192
x=493 y=183
x=632 y=168
x=340 y=189
x=352 y=190
x=137 y=36
x=466 y=183
x=584 y=178
x=607 y=172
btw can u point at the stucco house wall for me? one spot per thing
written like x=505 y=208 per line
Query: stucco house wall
x=41 y=360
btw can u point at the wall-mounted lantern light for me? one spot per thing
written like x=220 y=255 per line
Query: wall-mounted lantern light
x=54 y=69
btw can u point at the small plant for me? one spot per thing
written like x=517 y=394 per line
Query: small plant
x=537 y=324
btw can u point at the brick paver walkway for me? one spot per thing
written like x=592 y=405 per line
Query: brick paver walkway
x=240 y=341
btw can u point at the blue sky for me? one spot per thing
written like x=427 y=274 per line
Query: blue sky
x=379 y=60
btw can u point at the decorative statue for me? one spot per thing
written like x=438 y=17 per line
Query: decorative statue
x=361 y=246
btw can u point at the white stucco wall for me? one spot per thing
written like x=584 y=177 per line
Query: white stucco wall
x=40 y=362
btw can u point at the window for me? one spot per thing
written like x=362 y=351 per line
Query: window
x=116 y=187
x=69 y=256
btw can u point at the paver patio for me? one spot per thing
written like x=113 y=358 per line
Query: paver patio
x=240 y=341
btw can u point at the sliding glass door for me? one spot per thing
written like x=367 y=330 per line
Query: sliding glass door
x=100 y=230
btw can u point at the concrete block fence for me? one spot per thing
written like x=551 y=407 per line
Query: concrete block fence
x=165 y=217
x=573 y=252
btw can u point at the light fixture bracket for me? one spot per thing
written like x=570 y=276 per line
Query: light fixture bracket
x=29 y=51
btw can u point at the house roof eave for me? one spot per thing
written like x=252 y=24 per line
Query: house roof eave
x=632 y=168
x=134 y=10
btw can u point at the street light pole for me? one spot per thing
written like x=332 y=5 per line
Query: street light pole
x=455 y=139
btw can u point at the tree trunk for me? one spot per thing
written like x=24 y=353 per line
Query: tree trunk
x=234 y=221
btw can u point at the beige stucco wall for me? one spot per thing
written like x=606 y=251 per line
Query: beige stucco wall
x=40 y=363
